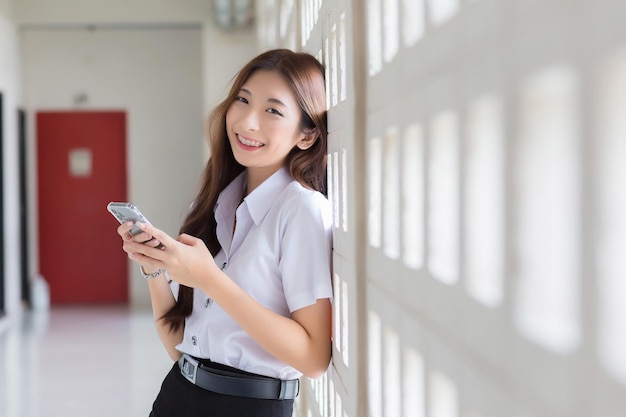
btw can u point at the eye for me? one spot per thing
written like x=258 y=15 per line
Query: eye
x=241 y=99
x=272 y=110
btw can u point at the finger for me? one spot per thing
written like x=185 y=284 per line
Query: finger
x=161 y=240
x=154 y=243
x=140 y=250
x=143 y=237
x=157 y=234
x=124 y=231
x=146 y=262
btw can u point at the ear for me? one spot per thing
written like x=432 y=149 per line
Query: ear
x=307 y=140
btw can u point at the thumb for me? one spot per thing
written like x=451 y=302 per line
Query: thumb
x=187 y=239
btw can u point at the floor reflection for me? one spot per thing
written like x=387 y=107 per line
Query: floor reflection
x=80 y=361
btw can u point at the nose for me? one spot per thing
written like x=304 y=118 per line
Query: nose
x=249 y=119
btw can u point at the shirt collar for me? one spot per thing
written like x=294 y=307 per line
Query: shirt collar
x=230 y=197
x=262 y=198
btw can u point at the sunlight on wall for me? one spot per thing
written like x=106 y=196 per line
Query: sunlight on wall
x=375 y=180
x=413 y=197
x=334 y=68
x=391 y=35
x=332 y=411
x=327 y=70
x=343 y=66
x=334 y=163
x=340 y=411
x=611 y=215
x=484 y=201
x=345 y=323
x=320 y=389
x=391 y=195
x=443 y=398
x=442 y=10
x=413 y=26
x=374 y=344
x=547 y=307
x=413 y=386
x=341 y=324
x=443 y=204
x=392 y=391
x=344 y=188
x=375 y=36
x=309 y=17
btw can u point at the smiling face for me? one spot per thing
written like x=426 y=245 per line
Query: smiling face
x=263 y=125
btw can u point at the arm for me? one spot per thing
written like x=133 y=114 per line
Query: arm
x=302 y=341
x=162 y=300
x=161 y=296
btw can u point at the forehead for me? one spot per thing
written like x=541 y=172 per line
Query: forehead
x=268 y=84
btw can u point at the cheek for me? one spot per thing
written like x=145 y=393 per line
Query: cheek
x=288 y=130
x=229 y=119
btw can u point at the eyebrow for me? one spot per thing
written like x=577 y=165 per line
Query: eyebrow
x=271 y=100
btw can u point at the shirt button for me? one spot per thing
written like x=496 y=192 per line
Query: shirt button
x=208 y=302
x=194 y=340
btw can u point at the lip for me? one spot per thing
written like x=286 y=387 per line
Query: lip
x=245 y=146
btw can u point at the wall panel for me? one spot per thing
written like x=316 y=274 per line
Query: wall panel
x=476 y=157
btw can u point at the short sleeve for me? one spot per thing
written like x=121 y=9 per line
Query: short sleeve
x=306 y=245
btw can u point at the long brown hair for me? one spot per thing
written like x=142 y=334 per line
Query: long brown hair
x=305 y=76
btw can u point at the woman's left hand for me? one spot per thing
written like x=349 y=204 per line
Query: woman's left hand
x=186 y=259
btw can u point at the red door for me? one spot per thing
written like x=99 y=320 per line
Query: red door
x=81 y=167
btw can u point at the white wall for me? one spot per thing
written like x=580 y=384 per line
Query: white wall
x=164 y=62
x=224 y=53
x=111 y=11
x=155 y=75
x=476 y=155
x=10 y=87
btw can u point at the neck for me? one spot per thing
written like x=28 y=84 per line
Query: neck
x=257 y=176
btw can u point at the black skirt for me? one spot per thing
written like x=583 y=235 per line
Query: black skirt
x=180 y=398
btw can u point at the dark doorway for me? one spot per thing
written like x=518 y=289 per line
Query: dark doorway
x=2 y=295
x=24 y=253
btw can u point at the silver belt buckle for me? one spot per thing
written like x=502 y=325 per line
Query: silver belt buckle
x=188 y=367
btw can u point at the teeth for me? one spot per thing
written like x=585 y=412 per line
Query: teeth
x=248 y=142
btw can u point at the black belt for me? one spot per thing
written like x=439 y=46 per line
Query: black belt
x=232 y=383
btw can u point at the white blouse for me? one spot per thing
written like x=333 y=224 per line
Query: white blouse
x=280 y=254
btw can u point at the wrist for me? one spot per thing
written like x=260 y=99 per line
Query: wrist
x=150 y=275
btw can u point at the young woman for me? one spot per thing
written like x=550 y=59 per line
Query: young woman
x=242 y=296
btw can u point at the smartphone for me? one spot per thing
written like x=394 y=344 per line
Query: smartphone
x=125 y=212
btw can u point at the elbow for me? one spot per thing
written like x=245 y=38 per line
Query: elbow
x=317 y=368
x=319 y=363
x=315 y=373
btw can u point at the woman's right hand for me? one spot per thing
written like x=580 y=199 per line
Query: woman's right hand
x=147 y=239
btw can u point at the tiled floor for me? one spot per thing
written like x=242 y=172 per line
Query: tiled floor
x=86 y=361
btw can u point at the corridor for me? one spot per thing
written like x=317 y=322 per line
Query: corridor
x=476 y=176
x=80 y=361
